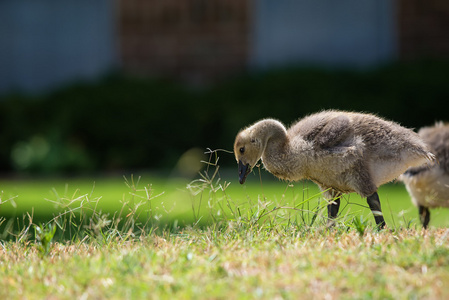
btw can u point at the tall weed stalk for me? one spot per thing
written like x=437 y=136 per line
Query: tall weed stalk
x=224 y=212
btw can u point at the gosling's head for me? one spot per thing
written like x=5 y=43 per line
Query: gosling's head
x=248 y=150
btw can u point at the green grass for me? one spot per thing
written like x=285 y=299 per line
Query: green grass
x=235 y=263
x=167 y=238
x=175 y=203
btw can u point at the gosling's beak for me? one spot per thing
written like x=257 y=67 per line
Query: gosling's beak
x=243 y=171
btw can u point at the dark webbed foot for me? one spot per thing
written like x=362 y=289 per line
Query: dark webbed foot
x=424 y=216
x=332 y=211
x=333 y=207
x=374 y=205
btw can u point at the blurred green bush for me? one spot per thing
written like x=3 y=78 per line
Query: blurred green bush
x=127 y=123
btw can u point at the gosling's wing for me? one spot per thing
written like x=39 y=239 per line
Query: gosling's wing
x=333 y=132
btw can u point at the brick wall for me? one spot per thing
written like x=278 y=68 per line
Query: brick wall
x=202 y=40
x=423 y=28
x=192 y=40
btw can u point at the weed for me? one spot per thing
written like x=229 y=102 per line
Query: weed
x=79 y=217
x=2 y=219
x=44 y=236
x=261 y=214
x=359 y=224
x=212 y=184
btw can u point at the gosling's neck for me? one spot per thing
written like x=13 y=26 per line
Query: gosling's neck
x=268 y=133
x=281 y=156
x=272 y=136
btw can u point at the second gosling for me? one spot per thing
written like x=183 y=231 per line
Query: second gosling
x=429 y=186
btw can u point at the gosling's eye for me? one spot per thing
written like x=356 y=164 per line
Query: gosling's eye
x=242 y=150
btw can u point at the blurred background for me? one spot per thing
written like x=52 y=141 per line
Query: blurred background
x=106 y=86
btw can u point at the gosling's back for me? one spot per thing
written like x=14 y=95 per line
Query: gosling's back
x=384 y=147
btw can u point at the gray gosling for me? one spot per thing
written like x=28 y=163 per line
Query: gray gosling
x=342 y=152
x=429 y=186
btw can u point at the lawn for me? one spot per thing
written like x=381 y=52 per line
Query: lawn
x=171 y=199
x=240 y=262
x=217 y=239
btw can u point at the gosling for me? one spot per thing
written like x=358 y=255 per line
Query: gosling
x=342 y=152
x=429 y=186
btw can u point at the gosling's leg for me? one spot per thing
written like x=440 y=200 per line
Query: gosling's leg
x=374 y=205
x=333 y=207
x=332 y=211
x=424 y=216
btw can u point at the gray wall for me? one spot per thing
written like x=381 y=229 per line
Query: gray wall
x=45 y=43
x=355 y=33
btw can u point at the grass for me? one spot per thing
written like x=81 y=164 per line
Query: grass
x=212 y=239
x=235 y=263
x=42 y=198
